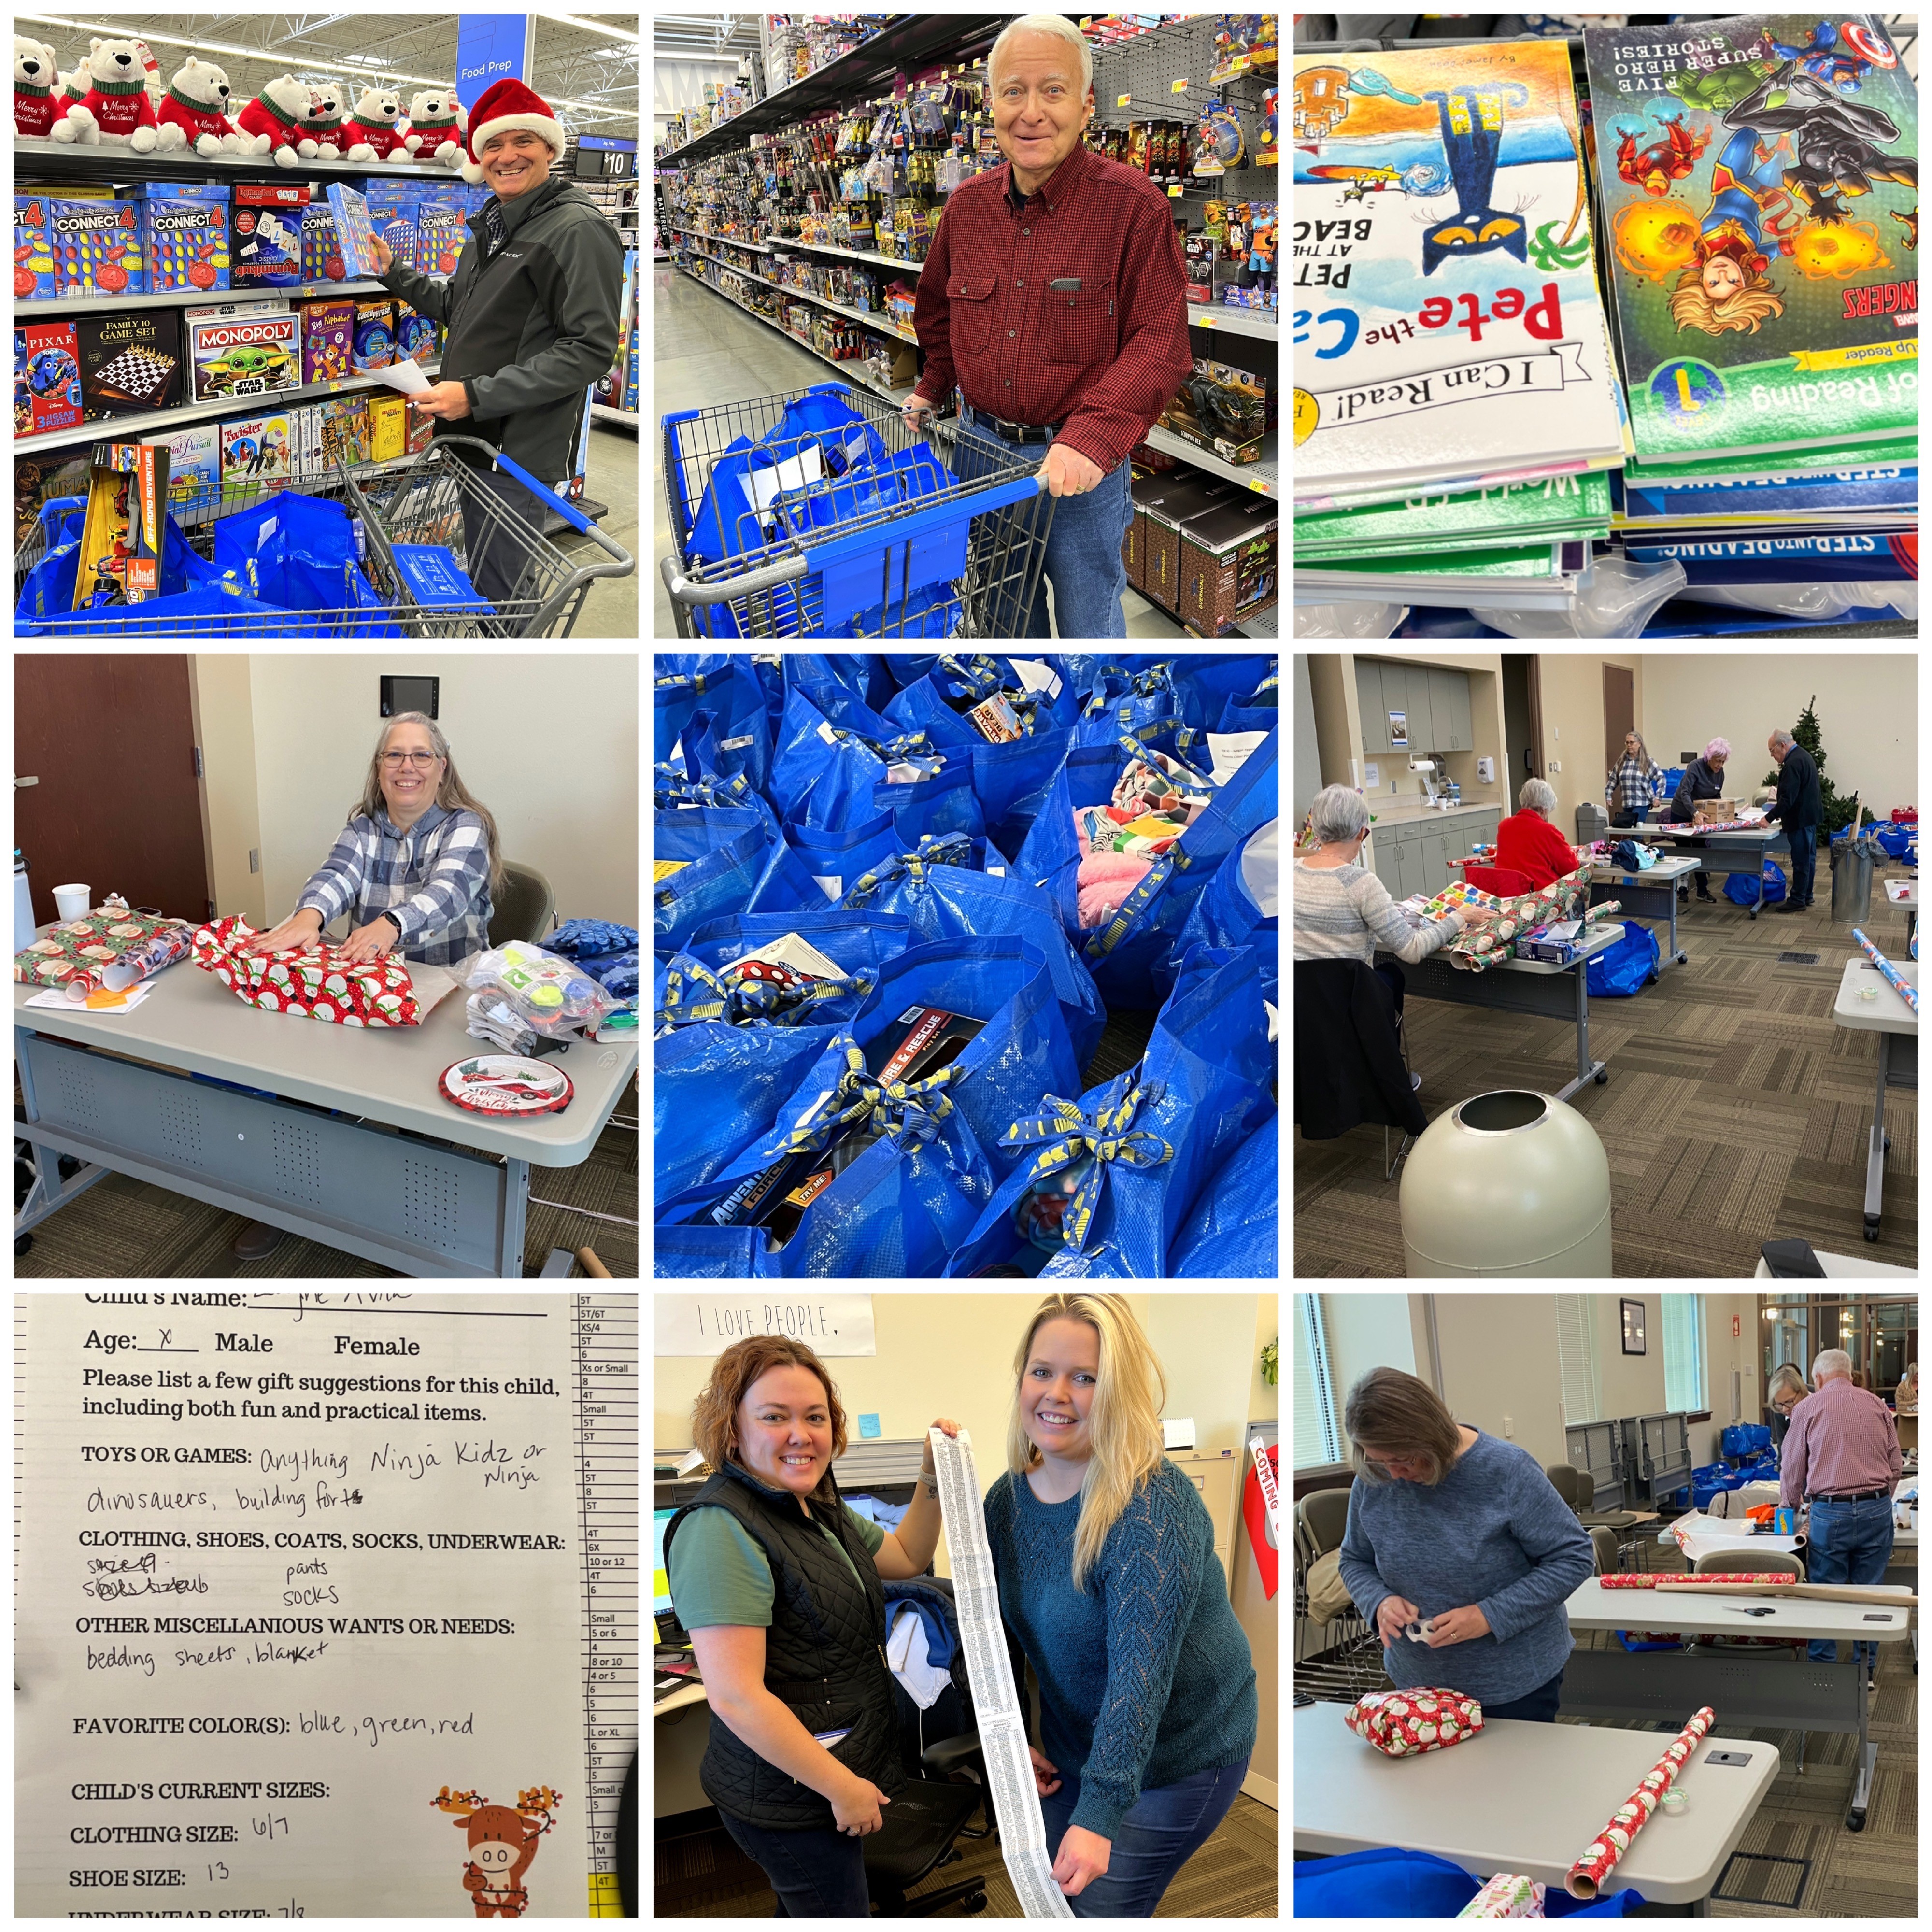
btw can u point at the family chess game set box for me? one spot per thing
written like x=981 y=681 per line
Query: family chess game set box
x=130 y=361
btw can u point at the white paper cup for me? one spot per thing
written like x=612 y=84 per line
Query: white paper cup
x=73 y=902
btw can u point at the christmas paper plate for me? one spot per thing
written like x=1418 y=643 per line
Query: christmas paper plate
x=505 y=1083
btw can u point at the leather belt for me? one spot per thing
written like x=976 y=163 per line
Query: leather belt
x=1012 y=432
x=1863 y=1496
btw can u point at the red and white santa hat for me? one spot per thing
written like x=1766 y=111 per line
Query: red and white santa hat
x=507 y=104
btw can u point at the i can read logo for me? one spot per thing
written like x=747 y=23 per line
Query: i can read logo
x=1687 y=391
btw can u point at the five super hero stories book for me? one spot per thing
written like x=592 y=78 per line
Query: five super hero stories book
x=1759 y=180
x=1447 y=319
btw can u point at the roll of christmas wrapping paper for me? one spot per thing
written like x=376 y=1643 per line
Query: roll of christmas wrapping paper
x=1507 y=1895
x=1708 y=1579
x=1600 y=1857
x=1905 y=992
x=1402 y=1723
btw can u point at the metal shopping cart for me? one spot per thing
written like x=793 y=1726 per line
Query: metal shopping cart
x=932 y=542
x=417 y=526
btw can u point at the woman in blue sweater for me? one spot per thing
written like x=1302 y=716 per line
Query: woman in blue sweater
x=1104 y=1558
x=1465 y=1532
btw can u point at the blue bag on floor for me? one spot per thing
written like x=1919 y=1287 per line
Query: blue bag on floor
x=738 y=866
x=678 y=787
x=1206 y=686
x=1627 y=967
x=822 y=774
x=1388 y=1882
x=1259 y=711
x=836 y=860
x=1741 y=888
x=1227 y=913
x=931 y=808
x=1233 y=1229
x=1012 y=782
x=731 y=693
x=946 y=901
x=1147 y=1140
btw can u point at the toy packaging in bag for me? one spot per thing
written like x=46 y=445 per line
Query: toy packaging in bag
x=552 y=996
x=311 y=984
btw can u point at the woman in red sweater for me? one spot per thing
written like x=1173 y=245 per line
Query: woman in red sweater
x=1526 y=841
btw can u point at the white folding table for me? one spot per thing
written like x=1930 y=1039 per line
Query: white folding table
x=1745 y=1688
x=1905 y=892
x=1738 y=849
x=1528 y=1798
x=1897 y=1026
x=1648 y=895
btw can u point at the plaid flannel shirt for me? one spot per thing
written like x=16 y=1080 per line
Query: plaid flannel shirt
x=1629 y=789
x=434 y=879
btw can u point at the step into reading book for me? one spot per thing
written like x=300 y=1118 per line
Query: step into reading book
x=1447 y=316
x=1759 y=178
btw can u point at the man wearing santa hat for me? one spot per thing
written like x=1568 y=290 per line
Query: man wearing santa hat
x=532 y=316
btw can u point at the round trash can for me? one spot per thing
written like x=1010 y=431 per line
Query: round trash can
x=1510 y=1183
x=1852 y=861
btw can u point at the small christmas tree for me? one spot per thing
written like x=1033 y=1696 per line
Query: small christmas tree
x=1837 y=811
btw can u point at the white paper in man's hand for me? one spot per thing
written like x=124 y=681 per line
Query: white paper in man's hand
x=405 y=376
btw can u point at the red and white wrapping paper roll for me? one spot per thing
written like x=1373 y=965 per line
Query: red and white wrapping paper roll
x=1402 y=1723
x=1905 y=990
x=1600 y=1857
x=1710 y=1580
x=1507 y=1895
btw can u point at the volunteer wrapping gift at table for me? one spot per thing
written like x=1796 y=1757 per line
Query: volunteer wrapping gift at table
x=1456 y=1528
x=1104 y=1554
x=1841 y=1455
x=416 y=866
x=778 y=1583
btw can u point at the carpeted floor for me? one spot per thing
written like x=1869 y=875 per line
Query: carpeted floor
x=123 y=1229
x=1796 y=1860
x=1236 y=1874
x=1737 y=1111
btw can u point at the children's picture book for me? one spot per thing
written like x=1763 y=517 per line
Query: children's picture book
x=1448 y=322
x=1759 y=178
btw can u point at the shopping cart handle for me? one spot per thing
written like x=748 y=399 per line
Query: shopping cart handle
x=682 y=590
x=568 y=511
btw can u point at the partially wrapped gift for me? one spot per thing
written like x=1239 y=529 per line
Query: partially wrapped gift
x=312 y=983
x=77 y=954
x=1400 y=1723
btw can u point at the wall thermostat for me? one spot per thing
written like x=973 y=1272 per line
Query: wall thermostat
x=410 y=694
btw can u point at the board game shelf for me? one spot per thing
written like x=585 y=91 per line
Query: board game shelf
x=52 y=311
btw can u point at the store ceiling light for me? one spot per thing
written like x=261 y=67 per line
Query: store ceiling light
x=593 y=26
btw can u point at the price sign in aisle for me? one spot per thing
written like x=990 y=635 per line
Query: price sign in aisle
x=604 y=1348
x=996 y=1704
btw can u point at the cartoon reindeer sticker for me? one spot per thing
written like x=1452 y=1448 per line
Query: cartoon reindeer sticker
x=501 y=1844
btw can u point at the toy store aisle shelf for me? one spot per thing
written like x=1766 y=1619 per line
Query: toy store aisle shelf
x=177 y=415
x=915 y=40
x=882 y=324
x=52 y=311
x=853 y=371
x=1262 y=625
x=1263 y=476
x=730 y=240
x=905 y=267
x=623 y=419
x=1234 y=321
x=117 y=162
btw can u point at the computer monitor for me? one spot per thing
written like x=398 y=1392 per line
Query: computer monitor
x=661 y=1581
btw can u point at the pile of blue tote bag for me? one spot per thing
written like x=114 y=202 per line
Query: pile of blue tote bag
x=877 y=1010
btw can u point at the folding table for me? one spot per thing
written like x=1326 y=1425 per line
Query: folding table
x=1897 y=1026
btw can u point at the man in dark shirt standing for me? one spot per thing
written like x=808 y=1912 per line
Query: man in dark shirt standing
x=1800 y=811
x=1054 y=295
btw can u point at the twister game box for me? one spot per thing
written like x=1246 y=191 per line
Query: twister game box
x=1759 y=180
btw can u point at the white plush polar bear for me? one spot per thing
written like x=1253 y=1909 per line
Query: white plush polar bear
x=195 y=114
x=438 y=126
x=116 y=107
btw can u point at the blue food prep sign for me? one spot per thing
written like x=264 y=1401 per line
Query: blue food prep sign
x=489 y=47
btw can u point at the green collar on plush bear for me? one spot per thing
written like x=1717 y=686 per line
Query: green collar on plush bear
x=135 y=86
x=263 y=100
x=181 y=100
x=433 y=120
x=28 y=88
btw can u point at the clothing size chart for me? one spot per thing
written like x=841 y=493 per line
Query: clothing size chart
x=604 y=1346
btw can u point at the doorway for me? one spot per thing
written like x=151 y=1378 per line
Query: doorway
x=1619 y=712
x=1521 y=744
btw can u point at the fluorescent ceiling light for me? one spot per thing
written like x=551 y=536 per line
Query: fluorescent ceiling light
x=593 y=26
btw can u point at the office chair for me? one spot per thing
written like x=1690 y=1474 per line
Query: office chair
x=525 y=909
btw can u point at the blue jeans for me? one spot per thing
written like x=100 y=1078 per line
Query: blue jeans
x=1804 y=861
x=1849 y=1543
x=1164 y=1830
x=818 y=1874
x=1533 y=1707
x=1083 y=551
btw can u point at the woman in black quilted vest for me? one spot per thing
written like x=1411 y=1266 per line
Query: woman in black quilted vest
x=778 y=1583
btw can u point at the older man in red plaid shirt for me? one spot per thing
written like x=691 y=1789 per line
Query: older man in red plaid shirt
x=1054 y=296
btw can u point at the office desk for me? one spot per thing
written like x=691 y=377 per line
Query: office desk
x=1746 y=1688
x=1522 y=986
x=1897 y=1026
x=1722 y=853
x=1650 y=895
x=312 y=1149
x=1528 y=1798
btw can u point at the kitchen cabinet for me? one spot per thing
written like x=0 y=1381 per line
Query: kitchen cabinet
x=1449 y=706
x=1369 y=697
x=1395 y=698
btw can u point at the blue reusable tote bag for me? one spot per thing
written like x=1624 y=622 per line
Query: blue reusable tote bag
x=822 y=773
x=1233 y=1228
x=746 y=870
x=837 y=859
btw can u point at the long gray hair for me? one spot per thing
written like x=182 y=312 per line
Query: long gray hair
x=1646 y=763
x=453 y=795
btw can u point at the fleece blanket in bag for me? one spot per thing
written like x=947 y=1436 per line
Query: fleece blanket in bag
x=720 y=1076
x=1105 y=1182
x=943 y=899
x=1233 y=1228
x=725 y=861
x=906 y=1201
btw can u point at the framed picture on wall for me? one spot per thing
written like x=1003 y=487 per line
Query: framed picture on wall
x=1633 y=1321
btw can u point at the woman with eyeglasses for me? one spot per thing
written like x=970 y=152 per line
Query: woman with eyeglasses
x=1463 y=1531
x=1786 y=1391
x=415 y=867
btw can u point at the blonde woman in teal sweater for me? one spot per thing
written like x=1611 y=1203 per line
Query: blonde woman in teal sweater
x=1105 y=1557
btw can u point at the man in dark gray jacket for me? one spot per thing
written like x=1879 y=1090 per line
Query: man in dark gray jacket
x=532 y=316
x=1799 y=809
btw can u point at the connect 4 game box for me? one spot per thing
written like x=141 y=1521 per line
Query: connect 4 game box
x=130 y=361
x=33 y=250
x=321 y=256
x=352 y=232
x=97 y=247
x=441 y=231
x=186 y=231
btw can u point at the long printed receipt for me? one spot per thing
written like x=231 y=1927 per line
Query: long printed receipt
x=301 y=1613
x=996 y=1704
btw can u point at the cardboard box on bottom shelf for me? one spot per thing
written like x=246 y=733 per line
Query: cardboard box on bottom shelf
x=1170 y=501
x=1229 y=565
